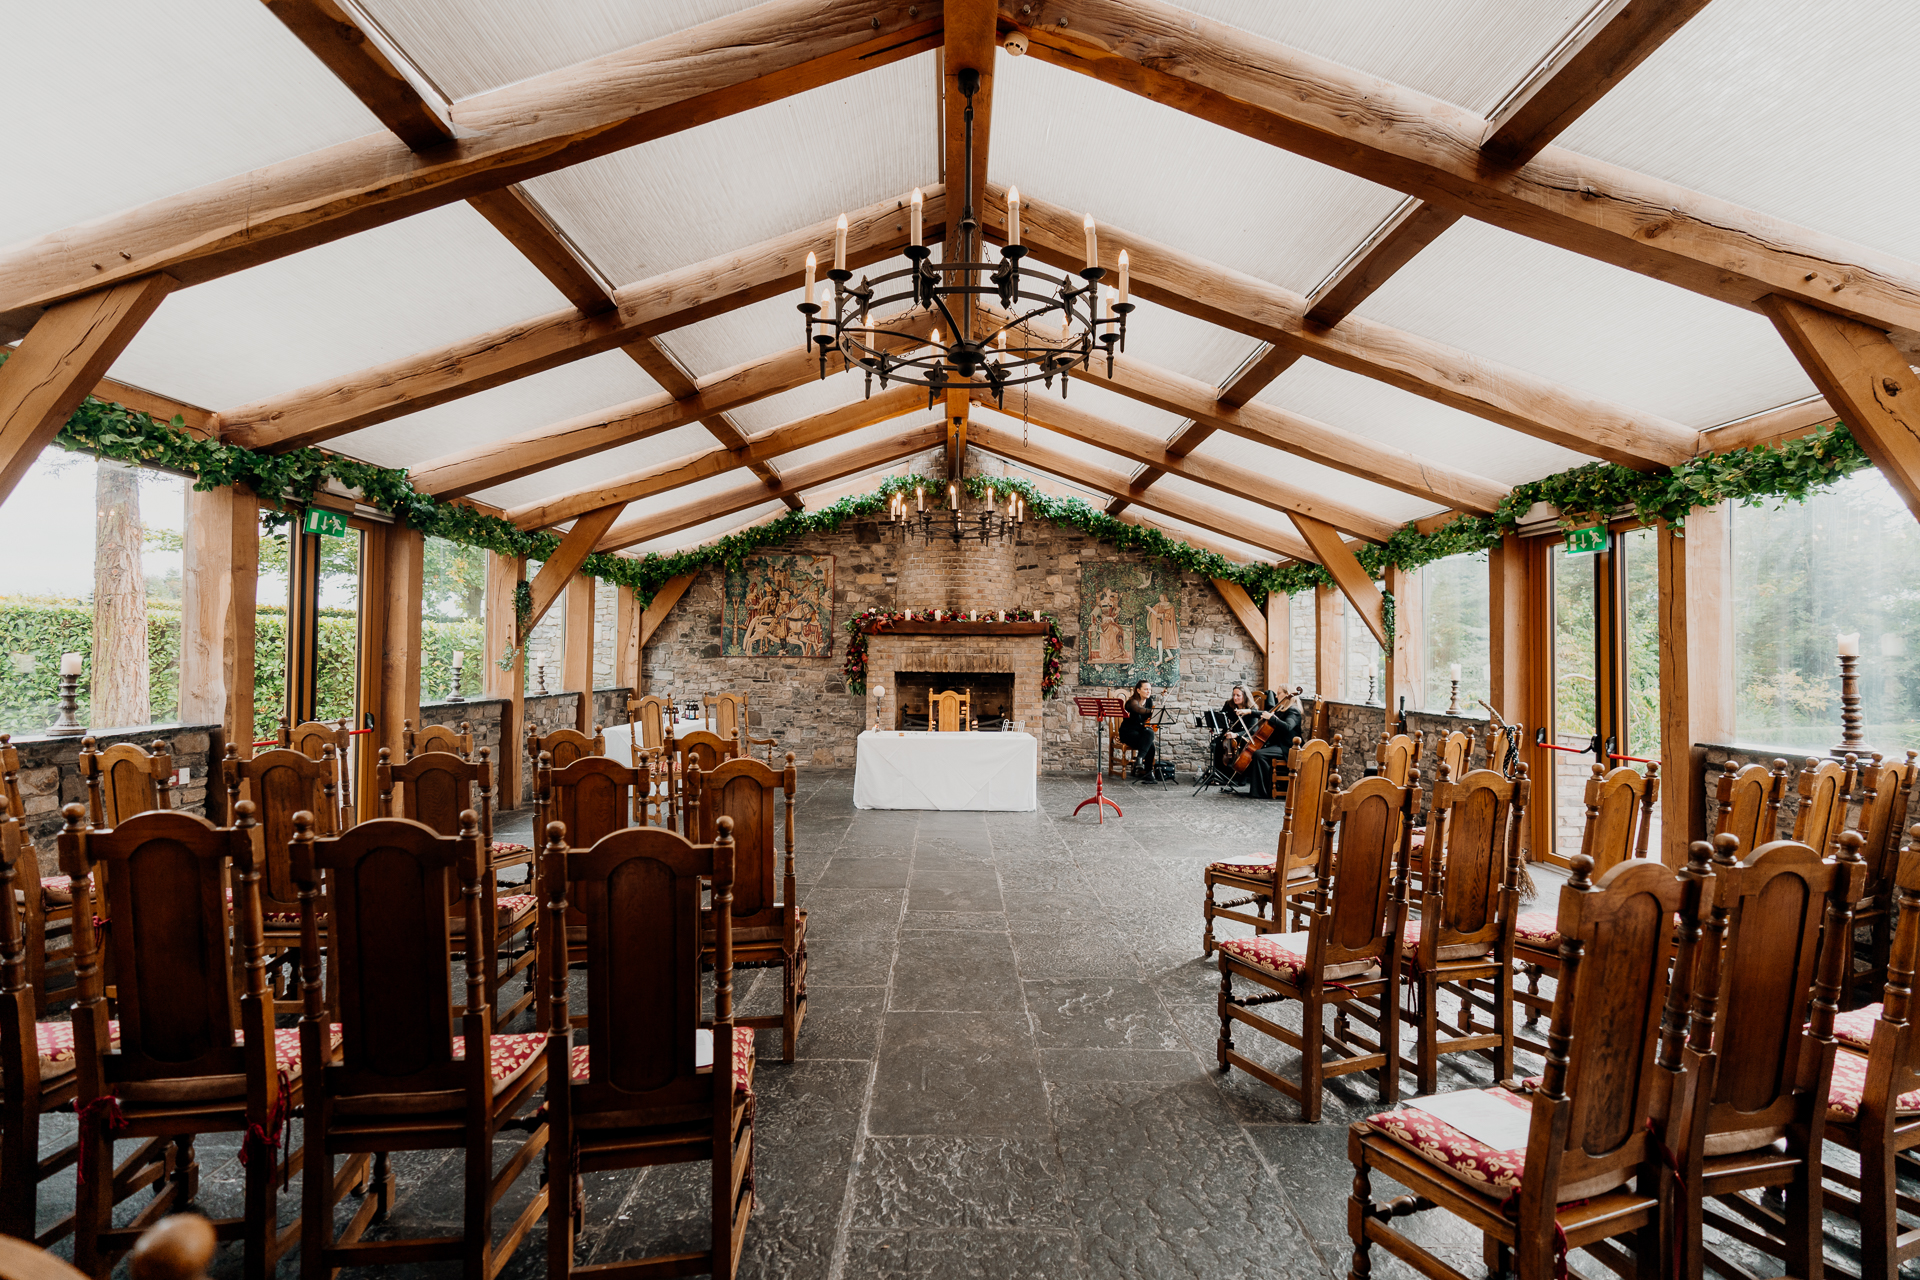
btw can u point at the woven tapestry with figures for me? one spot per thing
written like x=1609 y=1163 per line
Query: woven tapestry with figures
x=778 y=606
x=1129 y=624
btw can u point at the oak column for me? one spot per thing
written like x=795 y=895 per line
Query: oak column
x=1403 y=676
x=1279 y=642
x=502 y=638
x=1329 y=642
x=406 y=551
x=1696 y=669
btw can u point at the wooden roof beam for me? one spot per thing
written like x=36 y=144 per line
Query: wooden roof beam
x=549 y=122
x=1337 y=558
x=970 y=42
x=1412 y=142
x=558 y=569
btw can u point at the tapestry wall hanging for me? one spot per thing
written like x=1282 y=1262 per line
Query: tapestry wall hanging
x=778 y=606
x=1129 y=624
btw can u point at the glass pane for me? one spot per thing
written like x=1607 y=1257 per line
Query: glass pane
x=46 y=589
x=1846 y=560
x=1575 y=704
x=453 y=619
x=1361 y=658
x=1453 y=622
x=1641 y=552
x=547 y=645
x=1300 y=622
x=270 y=627
x=338 y=674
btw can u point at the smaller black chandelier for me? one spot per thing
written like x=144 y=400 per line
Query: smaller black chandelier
x=1048 y=323
x=991 y=524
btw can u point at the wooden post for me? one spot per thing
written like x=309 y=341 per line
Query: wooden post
x=1279 y=642
x=376 y=617
x=406 y=551
x=626 y=641
x=502 y=638
x=1696 y=668
x=1329 y=642
x=207 y=583
x=1520 y=653
x=576 y=658
x=1404 y=659
x=1507 y=618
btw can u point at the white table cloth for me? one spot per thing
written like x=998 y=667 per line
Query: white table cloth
x=896 y=770
x=620 y=737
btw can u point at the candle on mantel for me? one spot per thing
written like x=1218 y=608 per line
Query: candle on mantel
x=1013 y=215
x=812 y=266
x=1123 y=275
x=1849 y=643
x=913 y=217
x=1093 y=243
x=69 y=664
x=840 y=244
x=1456 y=671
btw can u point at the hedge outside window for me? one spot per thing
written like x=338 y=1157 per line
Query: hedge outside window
x=453 y=618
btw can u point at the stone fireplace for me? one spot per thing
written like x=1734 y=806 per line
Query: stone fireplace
x=990 y=696
x=953 y=659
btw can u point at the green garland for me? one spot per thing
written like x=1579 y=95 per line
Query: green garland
x=861 y=625
x=1788 y=471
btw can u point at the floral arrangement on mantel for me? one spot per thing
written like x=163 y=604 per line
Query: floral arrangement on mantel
x=867 y=621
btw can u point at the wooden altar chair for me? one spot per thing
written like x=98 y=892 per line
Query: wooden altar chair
x=1885 y=792
x=311 y=739
x=1463 y=940
x=947 y=711
x=1619 y=822
x=1585 y=1167
x=1749 y=800
x=125 y=780
x=769 y=929
x=189 y=1055
x=1267 y=886
x=1347 y=960
x=436 y=788
x=655 y=1086
x=411 y=1077
x=1825 y=787
x=727 y=714
x=1756 y=1071
x=593 y=796
x=281 y=783
x=436 y=737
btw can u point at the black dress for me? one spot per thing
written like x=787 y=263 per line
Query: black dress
x=1241 y=722
x=1138 y=734
x=1286 y=727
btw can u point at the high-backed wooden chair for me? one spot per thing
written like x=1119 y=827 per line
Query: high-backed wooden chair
x=703 y=751
x=125 y=780
x=436 y=788
x=565 y=746
x=653 y=717
x=594 y=797
x=1749 y=800
x=650 y=719
x=1825 y=787
x=409 y=1077
x=436 y=737
x=1396 y=757
x=1456 y=752
x=1885 y=792
x=1348 y=958
x=948 y=710
x=48 y=919
x=1463 y=940
x=311 y=738
x=655 y=1086
x=1760 y=1049
x=189 y=1054
x=1267 y=886
x=281 y=783
x=1498 y=740
x=1581 y=1165
x=1619 y=822
x=727 y=714
x=769 y=927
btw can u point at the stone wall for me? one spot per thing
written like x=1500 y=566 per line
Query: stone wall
x=483 y=716
x=1715 y=758
x=50 y=771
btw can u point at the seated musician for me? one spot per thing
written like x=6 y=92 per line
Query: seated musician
x=1283 y=713
x=1241 y=717
x=1136 y=732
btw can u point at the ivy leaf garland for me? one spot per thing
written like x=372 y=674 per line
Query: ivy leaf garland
x=861 y=625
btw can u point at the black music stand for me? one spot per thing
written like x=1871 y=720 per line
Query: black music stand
x=1100 y=710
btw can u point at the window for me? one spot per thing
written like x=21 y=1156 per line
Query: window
x=1453 y=629
x=1362 y=660
x=453 y=619
x=1303 y=648
x=1845 y=561
x=546 y=643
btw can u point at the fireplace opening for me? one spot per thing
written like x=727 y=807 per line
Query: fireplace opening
x=990 y=692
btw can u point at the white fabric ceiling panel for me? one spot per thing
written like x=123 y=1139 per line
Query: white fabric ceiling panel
x=598 y=469
x=766 y=328
x=805 y=400
x=1788 y=107
x=1595 y=327
x=1089 y=396
x=710 y=531
x=470 y=46
x=1420 y=426
x=986 y=424
x=1232 y=548
x=1229 y=506
x=409 y=286
x=827 y=450
x=598 y=382
x=723 y=186
x=1168 y=176
x=112 y=103
x=1315 y=478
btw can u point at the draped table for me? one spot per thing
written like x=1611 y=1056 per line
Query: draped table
x=620 y=737
x=908 y=770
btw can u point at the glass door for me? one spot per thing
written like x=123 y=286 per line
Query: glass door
x=1578 y=617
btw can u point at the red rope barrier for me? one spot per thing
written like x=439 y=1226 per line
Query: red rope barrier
x=1614 y=755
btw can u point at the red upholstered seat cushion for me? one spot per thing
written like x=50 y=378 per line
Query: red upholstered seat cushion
x=579 y=1060
x=508 y=846
x=1537 y=929
x=1854 y=1028
x=1483 y=1167
x=1410 y=942
x=1281 y=954
x=1250 y=869
x=57 y=1052
x=512 y=1055
x=56 y=891
x=1850 y=1083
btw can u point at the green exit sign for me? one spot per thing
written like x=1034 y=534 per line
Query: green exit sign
x=1584 y=542
x=332 y=524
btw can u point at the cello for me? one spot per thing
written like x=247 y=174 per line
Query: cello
x=1260 y=736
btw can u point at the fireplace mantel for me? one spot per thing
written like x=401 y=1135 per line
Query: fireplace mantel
x=956 y=627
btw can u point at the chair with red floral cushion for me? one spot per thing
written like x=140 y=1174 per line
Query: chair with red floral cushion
x=1873 y=1105
x=436 y=787
x=592 y=797
x=1825 y=787
x=1885 y=791
x=1619 y=824
x=1296 y=863
x=1463 y=941
x=1348 y=958
x=655 y=1086
x=1749 y=800
x=1580 y=1164
x=1760 y=1050
x=190 y=1054
x=769 y=929
x=436 y=737
x=412 y=1075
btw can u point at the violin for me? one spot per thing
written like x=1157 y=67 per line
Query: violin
x=1259 y=739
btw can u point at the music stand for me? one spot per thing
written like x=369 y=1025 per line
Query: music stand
x=1100 y=710
x=1213 y=775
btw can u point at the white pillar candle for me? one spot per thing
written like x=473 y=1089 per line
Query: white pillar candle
x=1123 y=275
x=953 y=496
x=69 y=664
x=1456 y=671
x=1849 y=643
x=1093 y=243
x=913 y=217
x=458 y=658
x=1013 y=215
x=812 y=266
x=989 y=497
x=840 y=244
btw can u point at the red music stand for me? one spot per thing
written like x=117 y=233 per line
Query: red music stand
x=1100 y=710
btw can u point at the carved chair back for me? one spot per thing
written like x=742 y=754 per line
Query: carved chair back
x=1456 y=752
x=1355 y=925
x=703 y=751
x=436 y=737
x=20 y=933
x=1824 y=787
x=282 y=783
x=1475 y=896
x=653 y=719
x=566 y=746
x=45 y=908
x=743 y=790
x=947 y=710
x=1885 y=791
x=727 y=714
x=1894 y=1041
x=1749 y=800
x=592 y=796
x=437 y=789
x=124 y=780
x=1311 y=767
x=1396 y=757
x=1499 y=739
x=311 y=739
x=1619 y=814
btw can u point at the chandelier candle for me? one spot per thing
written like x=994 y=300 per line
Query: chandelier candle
x=913 y=217
x=1123 y=275
x=1093 y=243
x=1013 y=215
x=812 y=266
x=840 y=245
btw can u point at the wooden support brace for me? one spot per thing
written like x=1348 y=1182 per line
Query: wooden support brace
x=1245 y=610
x=1338 y=560
x=558 y=569
x=661 y=605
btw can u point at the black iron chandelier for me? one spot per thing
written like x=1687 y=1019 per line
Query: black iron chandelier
x=1048 y=323
x=996 y=522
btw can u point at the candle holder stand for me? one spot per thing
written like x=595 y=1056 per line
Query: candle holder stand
x=456 y=695
x=1453 y=707
x=66 y=726
x=1851 y=743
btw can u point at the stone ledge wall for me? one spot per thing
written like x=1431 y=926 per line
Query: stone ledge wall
x=50 y=771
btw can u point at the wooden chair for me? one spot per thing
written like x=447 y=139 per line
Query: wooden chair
x=1618 y=825
x=592 y=796
x=769 y=930
x=436 y=788
x=1756 y=1072
x=189 y=1054
x=406 y=1081
x=948 y=711
x=1396 y=757
x=1121 y=758
x=1267 y=886
x=124 y=780
x=311 y=739
x=1463 y=940
x=727 y=713
x=1585 y=1165
x=281 y=783
x=1456 y=752
x=1825 y=787
x=48 y=919
x=1885 y=792
x=1348 y=959
x=650 y=719
x=177 y=1247
x=1749 y=800
x=436 y=737
x=655 y=1086
x=703 y=751
x=1499 y=738
x=565 y=746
